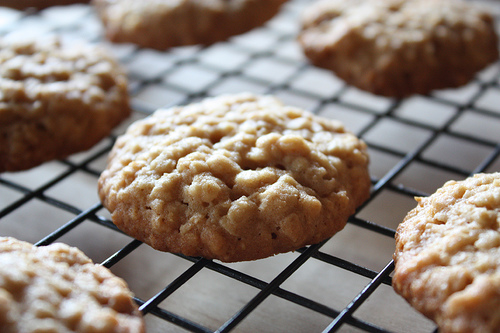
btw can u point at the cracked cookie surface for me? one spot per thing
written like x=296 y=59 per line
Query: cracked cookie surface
x=161 y=24
x=448 y=255
x=56 y=99
x=234 y=177
x=57 y=288
x=398 y=48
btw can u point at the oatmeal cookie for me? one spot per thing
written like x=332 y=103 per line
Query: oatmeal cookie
x=161 y=24
x=399 y=47
x=57 y=288
x=38 y=4
x=56 y=100
x=448 y=255
x=234 y=177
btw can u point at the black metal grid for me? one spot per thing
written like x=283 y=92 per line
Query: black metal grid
x=413 y=151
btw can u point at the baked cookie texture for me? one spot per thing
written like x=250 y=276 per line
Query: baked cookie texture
x=56 y=99
x=161 y=24
x=38 y=4
x=397 y=48
x=448 y=255
x=235 y=177
x=57 y=288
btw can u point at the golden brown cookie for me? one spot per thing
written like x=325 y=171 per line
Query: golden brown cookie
x=448 y=255
x=57 y=288
x=399 y=47
x=161 y=24
x=38 y=4
x=235 y=177
x=56 y=100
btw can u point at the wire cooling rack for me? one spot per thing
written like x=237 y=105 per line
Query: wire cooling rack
x=342 y=284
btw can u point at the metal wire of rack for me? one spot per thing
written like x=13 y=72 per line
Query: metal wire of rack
x=341 y=284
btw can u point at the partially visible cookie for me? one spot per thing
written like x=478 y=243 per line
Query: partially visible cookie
x=161 y=24
x=57 y=288
x=399 y=47
x=38 y=4
x=234 y=177
x=56 y=100
x=448 y=255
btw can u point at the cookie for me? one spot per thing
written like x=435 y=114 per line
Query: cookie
x=397 y=48
x=56 y=99
x=161 y=24
x=57 y=288
x=235 y=177
x=38 y=4
x=447 y=255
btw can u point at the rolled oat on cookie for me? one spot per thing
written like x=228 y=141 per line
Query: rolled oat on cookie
x=398 y=48
x=57 y=288
x=447 y=258
x=56 y=98
x=235 y=177
x=161 y=24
